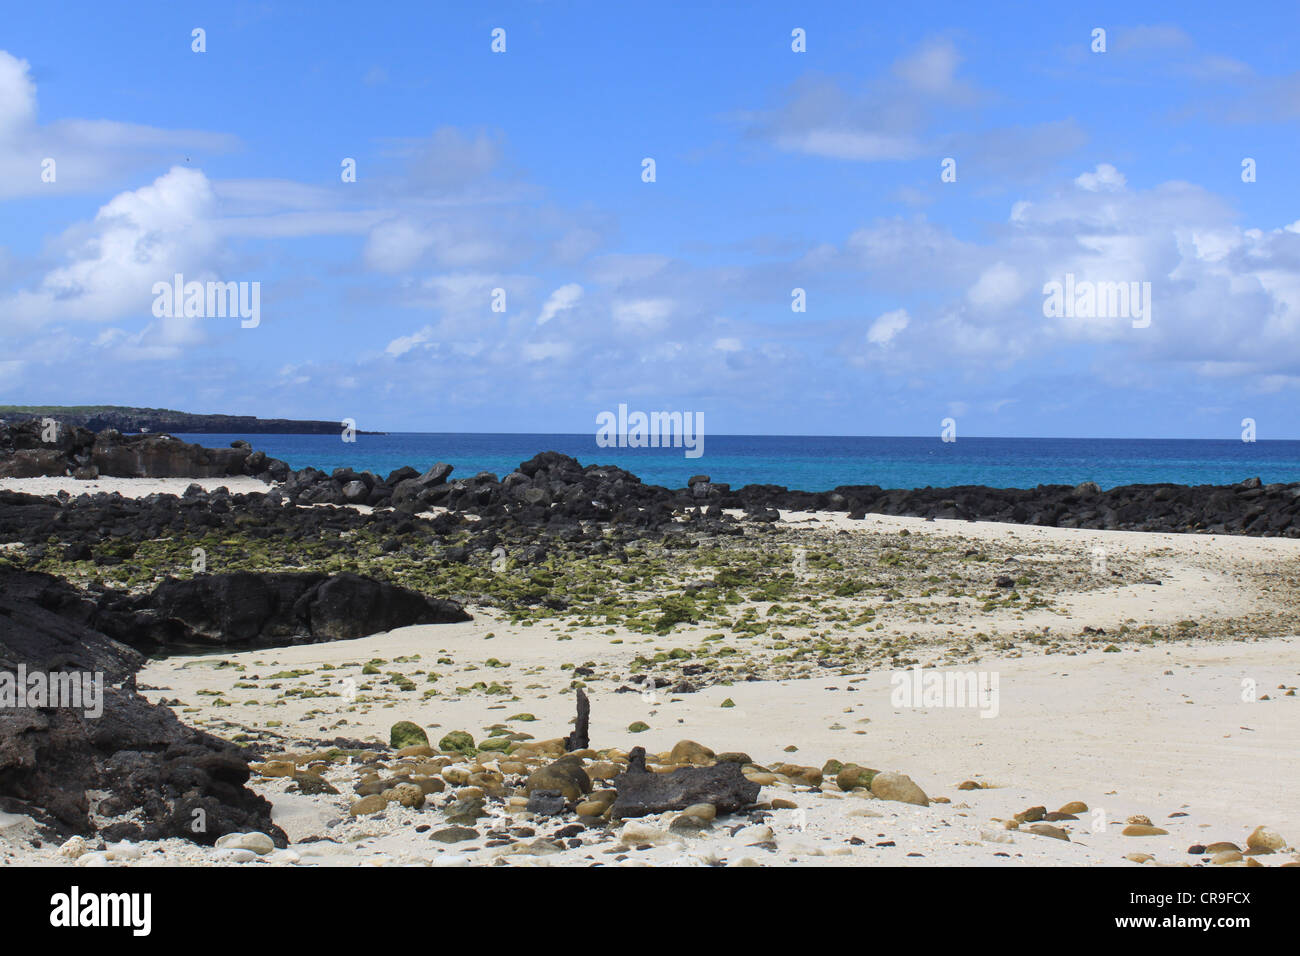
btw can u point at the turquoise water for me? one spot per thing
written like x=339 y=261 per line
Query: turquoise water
x=816 y=463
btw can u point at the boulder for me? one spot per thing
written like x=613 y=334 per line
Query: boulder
x=268 y=609
x=898 y=787
x=564 y=776
x=404 y=733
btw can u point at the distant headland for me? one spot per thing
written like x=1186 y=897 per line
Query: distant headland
x=127 y=420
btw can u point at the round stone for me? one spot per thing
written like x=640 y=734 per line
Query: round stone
x=368 y=805
x=1264 y=840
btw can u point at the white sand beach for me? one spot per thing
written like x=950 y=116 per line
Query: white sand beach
x=1190 y=734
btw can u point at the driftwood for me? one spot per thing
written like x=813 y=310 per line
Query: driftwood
x=578 y=740
x=641 y=792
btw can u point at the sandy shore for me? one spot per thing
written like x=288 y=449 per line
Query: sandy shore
x=1160 y=729
x=131 y=487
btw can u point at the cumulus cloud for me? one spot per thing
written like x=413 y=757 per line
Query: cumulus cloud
x=110 y=264
x=1104 y=178
x=87 y=154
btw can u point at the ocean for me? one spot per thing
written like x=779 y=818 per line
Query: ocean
x=815 y=463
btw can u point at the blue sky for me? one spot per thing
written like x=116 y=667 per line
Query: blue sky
x=775 y=170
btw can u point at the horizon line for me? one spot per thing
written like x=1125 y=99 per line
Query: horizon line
x=592 y=435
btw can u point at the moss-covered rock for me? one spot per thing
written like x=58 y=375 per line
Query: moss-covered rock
x=459 y=741
x=851 y=775
x=404 y=733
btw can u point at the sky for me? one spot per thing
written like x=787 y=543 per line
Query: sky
x=504 y=262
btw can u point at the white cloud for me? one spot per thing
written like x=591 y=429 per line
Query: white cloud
x=136 y=239
x=87 y=154
x=646 y=314
x=887 y=326
x=931 y=69
x=1105 y=178
x=997 y=287
x=565 y=297
x=861 y=145
x=540 y=351
x=17 y=94
x=404 y=343
x=396 y=245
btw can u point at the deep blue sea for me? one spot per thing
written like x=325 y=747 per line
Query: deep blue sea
x=815 y=463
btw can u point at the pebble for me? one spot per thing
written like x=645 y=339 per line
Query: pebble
x=689 y=824
x=898 y=787
x=754 y=834
x=851 y=775
x=407 y=795
x=368 y=805
x=1264 y=840
x=466 y=811
x=595 y=806
x=564 y=775
x=73 y=848
x=254 y=842
x=125 y=850
x=231 y=855
x=808 y=776
x=635 y=833
x=690 y=752
x=1143 y=829
x=1047 y=830
x=455 y=834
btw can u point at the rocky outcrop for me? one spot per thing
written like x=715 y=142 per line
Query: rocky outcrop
x=32 y=449
x=555 y=492
x=1248 y=507
x=270 y=609
x=552 y=488
x=130 y=771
